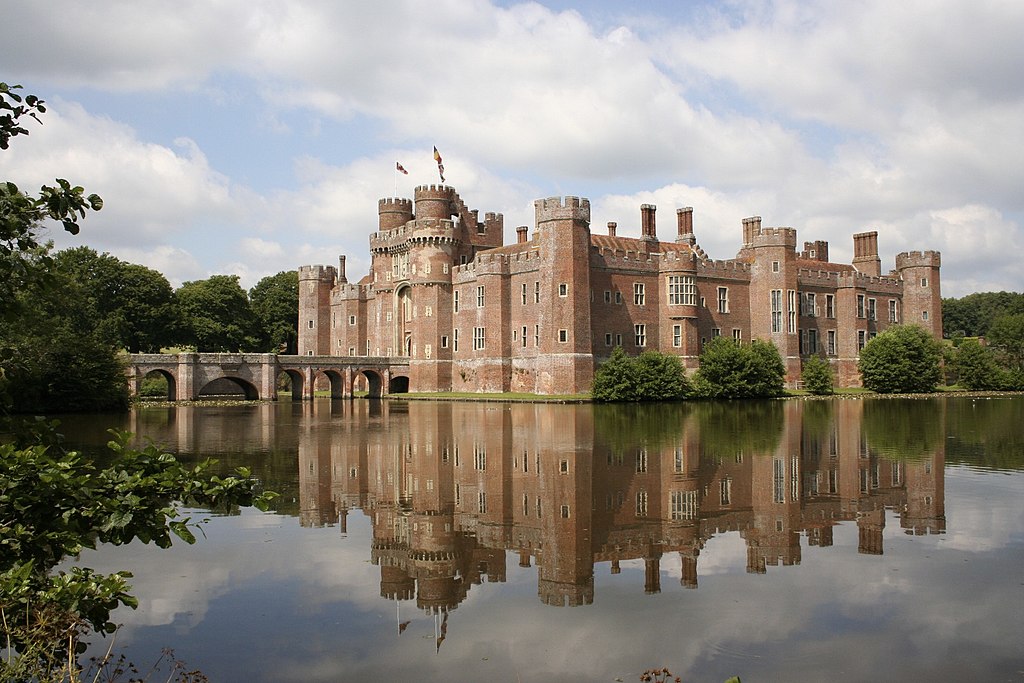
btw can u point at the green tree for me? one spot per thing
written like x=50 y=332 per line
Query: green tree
x=215 y=315
x=817 y=376
x=48 y=353
x=972 y=315
x=977 y=367
x=22 y=258
x=133 y=306
x=1006 y=335
x=731 y=370
x=275 y=303
x=903 y=359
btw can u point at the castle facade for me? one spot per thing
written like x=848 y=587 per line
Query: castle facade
x=537 y=316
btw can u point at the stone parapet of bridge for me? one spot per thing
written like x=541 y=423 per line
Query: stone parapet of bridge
x=188 y=374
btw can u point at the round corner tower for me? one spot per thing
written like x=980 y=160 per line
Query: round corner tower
x=922 y=294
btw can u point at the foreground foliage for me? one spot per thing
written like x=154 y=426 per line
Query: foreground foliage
x=903 y=359
x=54 y=504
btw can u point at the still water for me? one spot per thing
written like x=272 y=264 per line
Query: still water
x=850 y=540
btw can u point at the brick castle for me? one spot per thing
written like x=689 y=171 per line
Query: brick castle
x=537 y=316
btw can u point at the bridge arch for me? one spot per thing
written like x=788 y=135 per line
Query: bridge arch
x=229 y=386
x=336 y=379
x=374 y=381
x=167 y=376
x=296 y=380
x=398 y=384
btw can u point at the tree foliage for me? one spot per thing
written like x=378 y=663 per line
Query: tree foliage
x=903 y=359
x=973 y=315
x=1006 y=336
x=817 y=376
x=50 y=357
x=731 y=370
x=133 y=306
x=651 y=376
x=22 y=259
x=216 y=316
x=275 y=303
x=977 y=368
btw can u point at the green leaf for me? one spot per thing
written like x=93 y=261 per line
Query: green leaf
x=181 y=530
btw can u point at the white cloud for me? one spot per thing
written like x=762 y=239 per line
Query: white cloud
x=828 y=118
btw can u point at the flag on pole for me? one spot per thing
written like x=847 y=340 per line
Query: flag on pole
x=440 y=166
x=400 y=168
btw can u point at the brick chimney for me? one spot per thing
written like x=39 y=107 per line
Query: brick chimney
x=647 y=224
x=521 y=234
x=612 y=225
x=684 y=225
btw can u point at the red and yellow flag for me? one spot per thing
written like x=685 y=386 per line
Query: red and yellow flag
x=440 y=166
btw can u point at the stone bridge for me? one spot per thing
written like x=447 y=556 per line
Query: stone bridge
x=190 y=375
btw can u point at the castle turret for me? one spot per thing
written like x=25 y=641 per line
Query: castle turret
x=774 y=295
x=393 y=212
x=566 y=362
x=315 y=284
x=922 y=295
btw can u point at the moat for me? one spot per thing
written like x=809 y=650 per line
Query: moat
x=875 y=539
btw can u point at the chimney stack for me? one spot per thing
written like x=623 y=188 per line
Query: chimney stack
x=521 y=234
x=612 y=225
x=647 y=226
x=684 y=225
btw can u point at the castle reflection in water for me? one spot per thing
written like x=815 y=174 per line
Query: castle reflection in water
x=450 y=488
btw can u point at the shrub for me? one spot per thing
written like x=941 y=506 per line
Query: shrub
x=817 y=376
x=651 y=376
x=903 y=359
x=731 y=370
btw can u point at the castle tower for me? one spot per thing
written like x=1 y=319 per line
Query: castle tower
x=774 y=297
x=865 y=254
x=566 y=365
x=315 y=285
x=922 y=294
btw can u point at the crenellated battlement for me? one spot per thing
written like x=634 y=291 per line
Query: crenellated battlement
x=436 y=201
x=328 y=274
x=562 y=208
x=918 y=259
x=853 y=278
x=394 y=204
x=723 y=268
x=775 y=237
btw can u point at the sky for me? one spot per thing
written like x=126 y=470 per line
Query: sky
x=249 y=137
